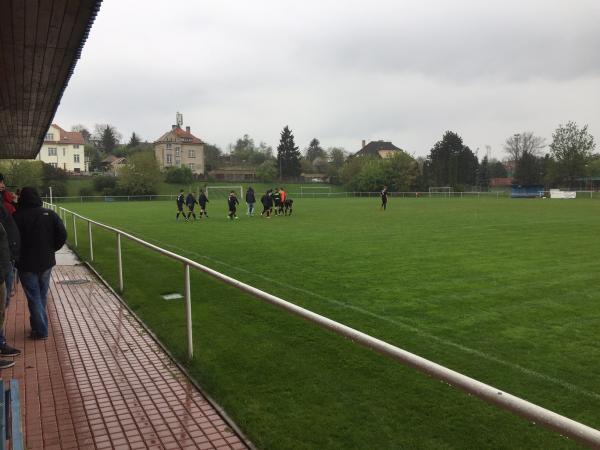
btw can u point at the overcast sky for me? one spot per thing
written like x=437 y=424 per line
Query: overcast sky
x=340 y=71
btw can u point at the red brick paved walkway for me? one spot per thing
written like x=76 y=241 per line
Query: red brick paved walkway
x=100 y=381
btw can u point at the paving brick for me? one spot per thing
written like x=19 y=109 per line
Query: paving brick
x=100 y=381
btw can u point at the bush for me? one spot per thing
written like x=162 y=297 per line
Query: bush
x=86 y=191
x=59 y=189
x=179 y=175
x=267 y=171
x=103 y=182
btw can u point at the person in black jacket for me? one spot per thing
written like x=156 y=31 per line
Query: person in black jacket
x=5 y=268
x=190 y=202
x=250 y=200
x=232 y=202
x=14 y=244
x=180 y=200
x=42 y=234
x=267 y=202
x=202 y=201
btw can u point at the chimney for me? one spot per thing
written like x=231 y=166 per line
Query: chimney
x=173 y=127
x=363 y=143
x=187 y=129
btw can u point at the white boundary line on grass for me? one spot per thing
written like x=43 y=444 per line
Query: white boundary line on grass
x=412 y=328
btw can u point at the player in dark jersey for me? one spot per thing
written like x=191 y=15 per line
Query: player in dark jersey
x=202 y=201
x=384 y=198
x=277 y=201
x=232 y=202
x=267 y=202
x=180 y=201
x=190 y=202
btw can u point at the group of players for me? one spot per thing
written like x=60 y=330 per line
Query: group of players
x=274 y=202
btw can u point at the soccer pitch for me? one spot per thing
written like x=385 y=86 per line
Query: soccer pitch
x=504 y=291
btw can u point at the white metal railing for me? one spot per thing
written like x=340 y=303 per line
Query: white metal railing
x=300 y=194
x=538 y=415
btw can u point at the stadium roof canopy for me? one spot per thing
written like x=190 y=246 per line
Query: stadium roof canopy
x=40 y=43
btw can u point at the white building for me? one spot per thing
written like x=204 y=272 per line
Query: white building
x=64 y=149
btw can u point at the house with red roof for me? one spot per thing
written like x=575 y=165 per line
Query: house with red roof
x=180 y=148
x=64 y=149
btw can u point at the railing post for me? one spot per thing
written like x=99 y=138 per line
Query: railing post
x=188 y=310
x=120 y=258
x=75 y=229
x=91 y=242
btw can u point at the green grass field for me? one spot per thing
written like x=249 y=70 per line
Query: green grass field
x=505 y=291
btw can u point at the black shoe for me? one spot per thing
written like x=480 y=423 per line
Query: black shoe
x=37 y=337
x=7 y=350
x=5 y=364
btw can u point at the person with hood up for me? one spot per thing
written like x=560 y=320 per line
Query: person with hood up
x=250 y=200
x=42 y=234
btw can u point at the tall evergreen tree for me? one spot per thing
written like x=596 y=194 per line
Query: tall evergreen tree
x=484 y=175
x=451 y=163
x=315 y=150
x=109 y=139
x=288 y=155
x=134 y=140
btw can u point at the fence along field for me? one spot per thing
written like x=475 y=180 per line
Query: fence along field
x=493 y=289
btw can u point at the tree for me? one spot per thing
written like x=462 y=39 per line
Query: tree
x=337 y=156
x=314 y=150
x=179 y=175
x=134 y=140
x=523 y=143
x=212 y=157
x=87 y=136
x=141 y=175
x=106 y=137
x=288 y=155
x=243 y=149
x=572 y=148
x=451 y=163
x=484 y=175
x=497 y=169
x=24 y=173
x=267 y=172
x=529 y=170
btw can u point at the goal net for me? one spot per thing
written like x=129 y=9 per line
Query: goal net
x=315 y=191
x=217 y=192
x=440 y=191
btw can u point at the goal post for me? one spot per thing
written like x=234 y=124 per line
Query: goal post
x=315 y=191
x=440 y=191
x=215 y=192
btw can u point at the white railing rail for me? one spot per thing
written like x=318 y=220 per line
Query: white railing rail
x=538 y=415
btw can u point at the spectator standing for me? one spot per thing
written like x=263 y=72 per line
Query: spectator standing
x=5 y=267
x=42 y=234
x=7 y=197
x=14 y=242
x=250 y=200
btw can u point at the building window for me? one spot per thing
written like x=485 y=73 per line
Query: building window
x=169 y=159
x=191 y=165
x=76 y=159
x=191 y=153
x=55 y=165
x=168 y=146
x=52 y=151
x=75 y=145
x=64 y=151
x=177 y=151
x=50 y=136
